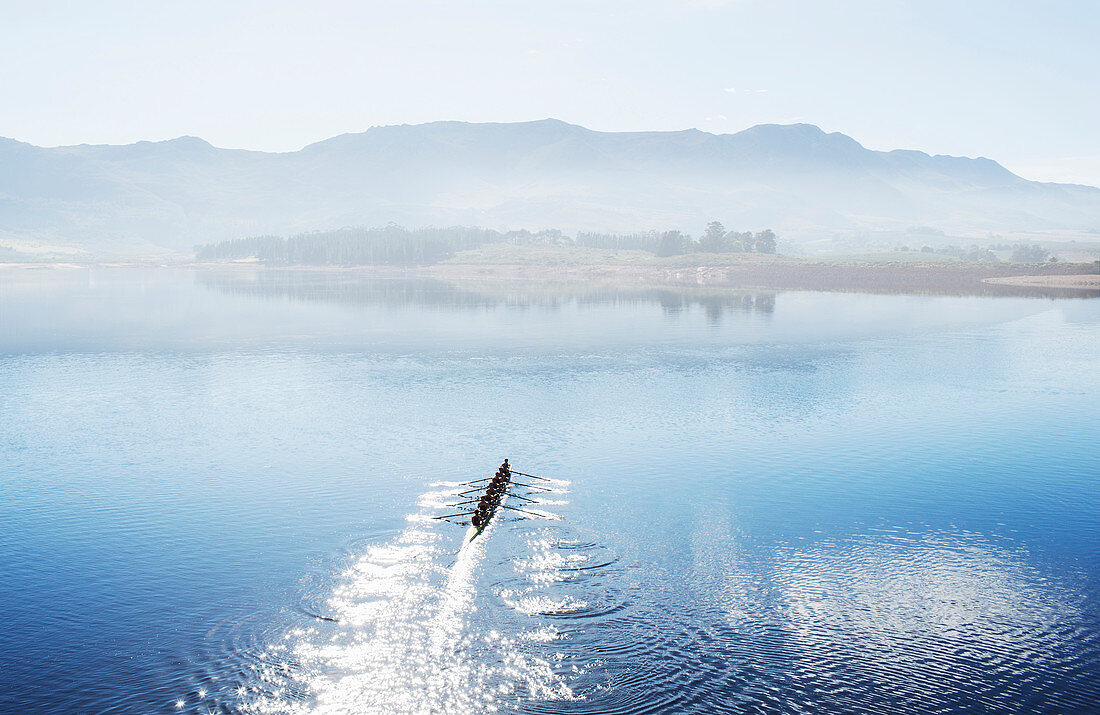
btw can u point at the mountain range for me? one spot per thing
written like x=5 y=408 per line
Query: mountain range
x=796 y=179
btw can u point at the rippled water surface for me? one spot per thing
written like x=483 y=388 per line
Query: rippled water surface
x=216 y=492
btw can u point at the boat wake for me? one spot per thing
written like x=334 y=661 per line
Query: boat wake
x=412 y=632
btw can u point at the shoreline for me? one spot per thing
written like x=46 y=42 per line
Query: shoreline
x=771 y=273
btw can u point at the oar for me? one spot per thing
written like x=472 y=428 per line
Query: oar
x=461 y=513
x=520 y=496
x=532 y=513
x=533 y=476
x=532 y=486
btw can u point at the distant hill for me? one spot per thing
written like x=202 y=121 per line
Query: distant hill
x=796 y=179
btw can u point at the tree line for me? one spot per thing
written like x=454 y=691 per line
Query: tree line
x=395 y=245
x=716 y=239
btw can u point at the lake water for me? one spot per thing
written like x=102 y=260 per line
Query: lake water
x=216 y=491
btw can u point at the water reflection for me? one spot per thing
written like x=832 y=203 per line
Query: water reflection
x=355 y=289
x=109 y=310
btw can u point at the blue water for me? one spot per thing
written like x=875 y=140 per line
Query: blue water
x=793 y=501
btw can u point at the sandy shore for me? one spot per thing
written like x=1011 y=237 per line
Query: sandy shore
x=1084 y=282
x=1065 y=280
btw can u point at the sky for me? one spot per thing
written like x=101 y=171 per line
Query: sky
x=1015 y=81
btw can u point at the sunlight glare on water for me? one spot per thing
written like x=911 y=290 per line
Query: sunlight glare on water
x=407 y=638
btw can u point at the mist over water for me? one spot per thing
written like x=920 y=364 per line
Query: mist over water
x=216 y=491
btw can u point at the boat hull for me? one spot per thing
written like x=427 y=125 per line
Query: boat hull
x=475 y=531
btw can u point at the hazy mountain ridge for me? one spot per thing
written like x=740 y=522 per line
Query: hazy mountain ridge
x=797 y=179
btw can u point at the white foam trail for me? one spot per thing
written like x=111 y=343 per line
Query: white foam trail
x=405 y=639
